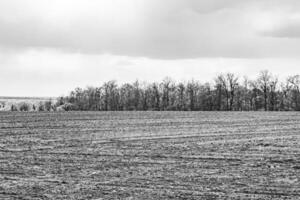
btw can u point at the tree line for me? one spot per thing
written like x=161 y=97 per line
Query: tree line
x=48 y=105
x=227 y=92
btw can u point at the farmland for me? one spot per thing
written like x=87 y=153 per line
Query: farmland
x=150 y=155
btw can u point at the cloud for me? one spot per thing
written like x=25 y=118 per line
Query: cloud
x=49 y=47
x=169 y=29
x=290 y=29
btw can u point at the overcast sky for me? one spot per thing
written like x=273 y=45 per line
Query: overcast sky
x=48 y=47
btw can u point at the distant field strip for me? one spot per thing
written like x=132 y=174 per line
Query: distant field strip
x=150 y=155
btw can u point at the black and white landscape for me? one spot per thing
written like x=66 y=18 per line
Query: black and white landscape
x=149 y=99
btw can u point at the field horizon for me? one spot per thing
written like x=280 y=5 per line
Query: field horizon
x=26 y=97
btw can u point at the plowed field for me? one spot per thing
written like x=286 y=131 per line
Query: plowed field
x=150 y=155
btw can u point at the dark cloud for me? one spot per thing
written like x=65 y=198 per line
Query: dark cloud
x=168 y=29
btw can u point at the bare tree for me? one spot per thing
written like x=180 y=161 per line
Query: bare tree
x=232 y=82
x=273 y=93
x=111 y=95
x=181 y=103
x=155 y=96
x=221 y=82
x=228 y=83
x=255 y=95
x=264 y=84
x=295 y=89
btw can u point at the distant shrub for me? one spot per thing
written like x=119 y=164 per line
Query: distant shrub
x=48 y=105
x=24 y=107
x=69 y=107
x=2 y=104
x=13 y=108
x=60 y=101
x=66 y=107
x=60 y=108
x=41 y=107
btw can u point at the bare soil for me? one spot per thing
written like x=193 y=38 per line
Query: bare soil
x=150 y=155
